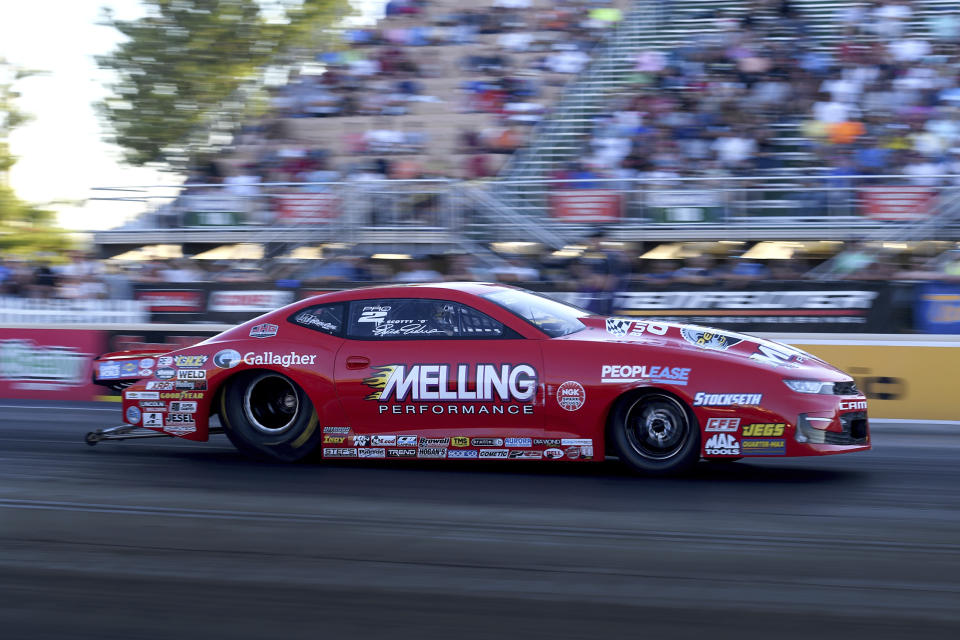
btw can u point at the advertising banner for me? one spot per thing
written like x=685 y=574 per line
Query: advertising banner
x=306 y=208
x=684 y=206
x=587 y=205
x=896 y=203
x=787 y=306
x=938 y=308
x=49 y=364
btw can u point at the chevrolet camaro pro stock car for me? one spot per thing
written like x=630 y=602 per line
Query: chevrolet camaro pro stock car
x=469 y=371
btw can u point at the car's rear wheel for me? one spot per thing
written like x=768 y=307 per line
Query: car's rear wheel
x=267 y=415
x=655 y=433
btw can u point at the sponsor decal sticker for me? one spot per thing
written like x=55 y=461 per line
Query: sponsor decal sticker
x=546 y=442
x=702 y=399
x=372 y=452
x=165 y=373
x=227 y=358
x=128 y=368
x=434 y=442
x=343 y=430
x=520 y=454
x=460 y=441
x=853 y=405
x=725 y=425
x=145 y=372
x=572 y=453
x=518 y=442
x=181 y=395
x=383 y=441
x=764 y=430
x=141 y=395
x=153 y=419
x=191 y=374
x=618 y=326
x=153 y=404
x=571 y=395
x=709 y=338
x=339 y=452
x=722 y=444
x=360 y=441
x=487 y=442
x=406 y=441
x=401 y=453
x=334 y=439
x=190 y=384
x=586 y=442
x=777 y=356
x=764 y=447
x=431 y=452
x=147 y=363
x=282 y=359
x=181 y=406
x=494 y=453
x=265 y=330
x=189 y=362
x=174 y=419
x=165 y=361
x=159 y=386
x=553 y=454
x=507 y=383
x=133 y=414
x=180 y=429
x=618 y=373
x=109 y=370
x=462 y=453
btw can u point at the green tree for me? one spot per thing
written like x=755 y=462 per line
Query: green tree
x=191 y=71
x=24 y=228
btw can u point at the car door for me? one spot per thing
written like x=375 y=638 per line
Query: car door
x=437 y=369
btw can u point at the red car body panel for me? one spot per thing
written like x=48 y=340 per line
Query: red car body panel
x=546 y=395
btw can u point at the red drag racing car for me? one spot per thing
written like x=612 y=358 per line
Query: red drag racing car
x=481 y=371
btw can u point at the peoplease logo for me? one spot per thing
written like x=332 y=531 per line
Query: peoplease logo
x=26 y=361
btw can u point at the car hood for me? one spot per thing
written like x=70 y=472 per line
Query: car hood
x=709 y=342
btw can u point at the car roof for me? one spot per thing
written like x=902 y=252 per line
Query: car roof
x=425 y=290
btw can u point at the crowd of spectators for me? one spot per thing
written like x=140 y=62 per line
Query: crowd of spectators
x=760 y=93
x=595 y=271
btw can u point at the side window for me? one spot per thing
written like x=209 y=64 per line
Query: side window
x=421 y=319
x=326 y=318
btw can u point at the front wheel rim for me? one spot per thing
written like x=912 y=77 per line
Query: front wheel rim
x=271 y=404
x=657 y=427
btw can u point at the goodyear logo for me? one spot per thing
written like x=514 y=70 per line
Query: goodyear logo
x=764 y=430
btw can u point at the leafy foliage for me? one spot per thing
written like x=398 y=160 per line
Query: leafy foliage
x=192 y=71
x=24 y=228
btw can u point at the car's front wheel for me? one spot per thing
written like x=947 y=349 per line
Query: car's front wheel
x=655 y=433
x=267 y=415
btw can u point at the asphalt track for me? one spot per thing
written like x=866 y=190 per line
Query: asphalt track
x=168 y=539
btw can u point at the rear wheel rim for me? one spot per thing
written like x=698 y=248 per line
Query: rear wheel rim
x=657 y=427
x=271 y=404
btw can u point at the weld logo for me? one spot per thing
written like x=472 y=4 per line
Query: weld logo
x=424 y=382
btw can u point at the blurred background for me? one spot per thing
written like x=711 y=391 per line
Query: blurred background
x=169 y=168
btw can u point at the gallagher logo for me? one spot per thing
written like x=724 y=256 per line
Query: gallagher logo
x=426 y=382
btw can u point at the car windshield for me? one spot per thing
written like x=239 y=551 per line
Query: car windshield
x=552 y=317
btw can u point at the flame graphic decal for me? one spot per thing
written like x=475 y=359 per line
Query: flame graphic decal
x=379 y=380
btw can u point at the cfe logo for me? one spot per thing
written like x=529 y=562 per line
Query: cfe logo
x=726 y=425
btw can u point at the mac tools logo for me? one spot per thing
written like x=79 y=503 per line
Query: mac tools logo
x=510 y=383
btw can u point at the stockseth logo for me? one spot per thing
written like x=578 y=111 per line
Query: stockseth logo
x=726 y=399
x=722 y=444
x=227 y=359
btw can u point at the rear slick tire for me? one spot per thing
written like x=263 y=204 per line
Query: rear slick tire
x=266 y=415
x=655 y=433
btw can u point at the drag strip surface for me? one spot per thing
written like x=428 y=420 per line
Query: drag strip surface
x=161 y=538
